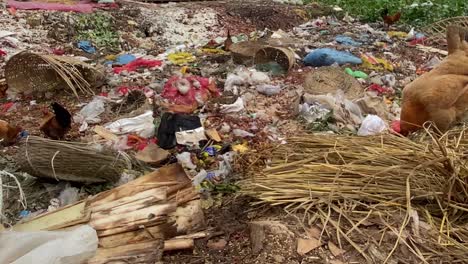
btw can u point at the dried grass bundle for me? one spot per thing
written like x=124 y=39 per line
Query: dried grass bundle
x=71 y=161
x=390 y=179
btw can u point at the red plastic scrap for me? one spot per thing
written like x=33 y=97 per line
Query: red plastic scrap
x=200 y=88
x=379 y=89
x=58 y=51
x=136 y=64
x=2 y=53
x=139 y=143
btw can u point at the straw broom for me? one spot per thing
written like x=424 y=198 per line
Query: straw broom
x=384 y=176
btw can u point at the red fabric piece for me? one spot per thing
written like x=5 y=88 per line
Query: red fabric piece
x=138 y=63
x=203 y=92
x=7 y=106
x=139 y=143
x=2 y=53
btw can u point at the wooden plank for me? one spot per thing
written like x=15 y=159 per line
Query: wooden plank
x=145 y=198
x=172 y=176
x=144 y=234
x=121 y=219
x=63 y=217
x=147 y=252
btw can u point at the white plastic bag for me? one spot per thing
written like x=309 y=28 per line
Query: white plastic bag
x=51 y=247
x=141 y=125
x=89 y=114
x=372 y=125
x=237 y=106
x=191 y=137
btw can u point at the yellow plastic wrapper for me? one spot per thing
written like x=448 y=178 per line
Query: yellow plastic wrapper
x=240 y=148
x=376 y=64
x=212 y=51
x=181 y=58
x=397 y=34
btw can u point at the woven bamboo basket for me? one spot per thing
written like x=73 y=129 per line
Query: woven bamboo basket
x=283 y=56
x=70 y=161
x=31 y=72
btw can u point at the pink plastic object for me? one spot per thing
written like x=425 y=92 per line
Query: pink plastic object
x=199 y=89
x=81 y=7
x=2 y=53
x=379 y=89
x=138 y=63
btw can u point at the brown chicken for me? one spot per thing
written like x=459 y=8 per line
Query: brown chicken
x=56 y=125
x=441 y=95
x=8 y=133
x=390 y=19
x=228 y=42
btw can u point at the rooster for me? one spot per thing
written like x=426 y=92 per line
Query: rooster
x=390 y=19
x=56 y=125
x=8 y=133
x=441 y=95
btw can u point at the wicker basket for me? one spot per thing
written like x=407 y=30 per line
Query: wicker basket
x=283 y=56
x=70 y=161
x=31 y=72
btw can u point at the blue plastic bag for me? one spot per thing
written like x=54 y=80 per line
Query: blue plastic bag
x=347 y=41
x=86 y=46
x=327 y=57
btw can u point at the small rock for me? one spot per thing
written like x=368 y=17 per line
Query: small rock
x=278 y=258
x=217 y=245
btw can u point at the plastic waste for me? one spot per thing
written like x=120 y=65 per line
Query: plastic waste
x=268 y=89
x=200 y=177
x=235 y=107
x=89 y=114
x=124 y=59
x=69 y=195
x=142 y=125
x=192 y=90
x=372 y=125
x=136 y=64
x=185 y=159
x=191 y=137
x=389 y=80
x=313 y=112
x=345 y=40
x=396 y=126
x=397 y=34
x=243 y=77
x=242 y=133
x=86 y=46
x=172 y=123
x=376 y=64
x=356 y=74
x=76 y=246
x=344 y=110
x=181 y=58
x=273 y=67
x=327 y=57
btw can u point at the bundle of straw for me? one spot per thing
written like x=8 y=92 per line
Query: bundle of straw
x=71 y=161
x=31 y=72
x=379 y=175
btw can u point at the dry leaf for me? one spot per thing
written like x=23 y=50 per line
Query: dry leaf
x=213 y=134
x=314 y=232
x=336 y=261
x=336 y=251
x=304 y=246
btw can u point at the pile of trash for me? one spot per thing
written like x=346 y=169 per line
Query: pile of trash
x=149 y=87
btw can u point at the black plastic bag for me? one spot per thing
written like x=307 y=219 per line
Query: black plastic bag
x=172 y=123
